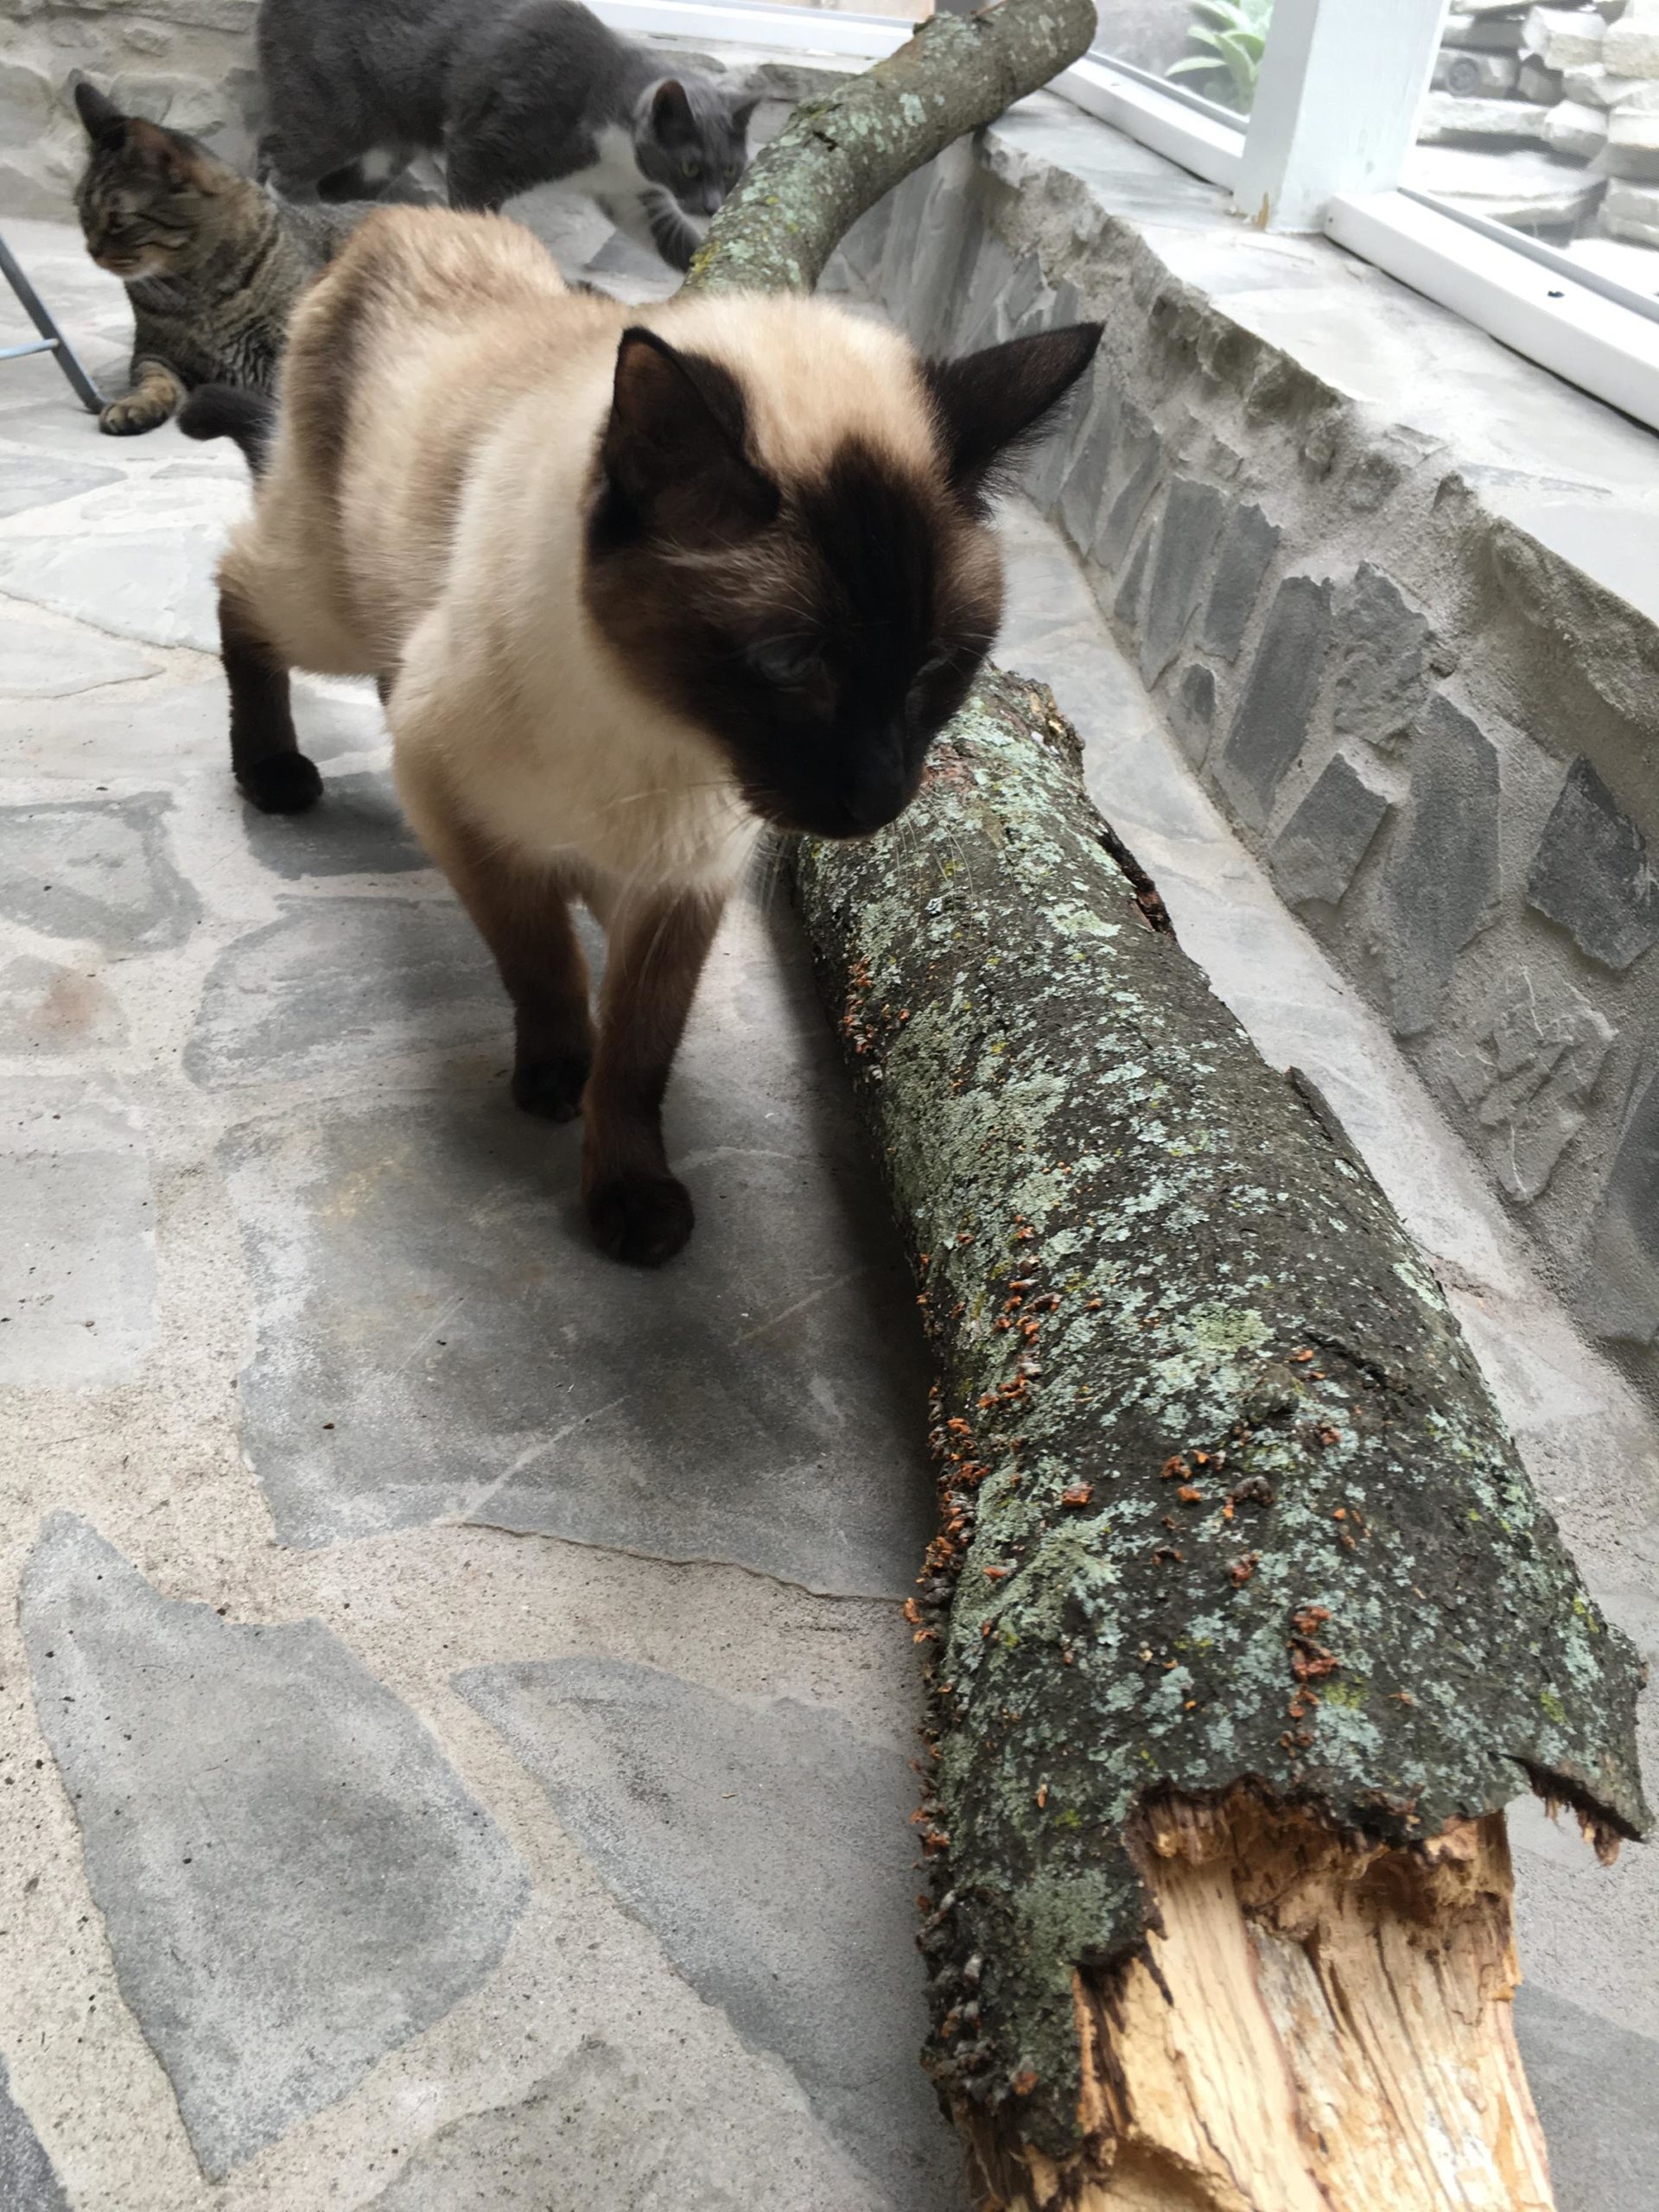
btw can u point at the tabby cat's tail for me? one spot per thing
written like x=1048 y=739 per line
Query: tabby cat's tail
x=221 y=410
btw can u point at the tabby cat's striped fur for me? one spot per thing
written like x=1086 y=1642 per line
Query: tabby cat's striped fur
x=213 y=264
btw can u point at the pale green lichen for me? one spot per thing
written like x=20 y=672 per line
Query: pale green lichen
x=1354 y=1599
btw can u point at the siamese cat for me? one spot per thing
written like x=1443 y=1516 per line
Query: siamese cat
x=636 y=584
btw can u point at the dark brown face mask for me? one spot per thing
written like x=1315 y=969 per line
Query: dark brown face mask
x=824 y=631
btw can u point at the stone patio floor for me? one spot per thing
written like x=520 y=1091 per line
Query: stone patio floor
x=455 y=1708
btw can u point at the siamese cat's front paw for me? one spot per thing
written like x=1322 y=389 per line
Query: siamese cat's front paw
x=551 y=1088
x=641 y=1220
x=283 y=783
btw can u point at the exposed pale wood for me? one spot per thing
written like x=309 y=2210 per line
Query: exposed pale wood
x=1317 y=2024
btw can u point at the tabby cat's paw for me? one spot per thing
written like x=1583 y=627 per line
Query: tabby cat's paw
x=551 y=1088
x=641 y=1220
x=125 y=418
x=287 y=783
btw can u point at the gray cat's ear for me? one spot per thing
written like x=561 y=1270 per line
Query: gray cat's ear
x=992 y=403
x=672 y=452
x=105 y=125
x=670 y=110
x=744 y=108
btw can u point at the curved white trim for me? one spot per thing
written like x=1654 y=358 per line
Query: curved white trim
x=1594 y=342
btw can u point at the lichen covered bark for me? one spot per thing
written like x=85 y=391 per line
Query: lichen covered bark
x=1225 y=1499
x=838 y=154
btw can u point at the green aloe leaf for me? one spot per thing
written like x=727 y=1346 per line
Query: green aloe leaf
x=1236 y=36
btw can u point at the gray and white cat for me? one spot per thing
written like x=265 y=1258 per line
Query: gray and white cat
x=512 y=93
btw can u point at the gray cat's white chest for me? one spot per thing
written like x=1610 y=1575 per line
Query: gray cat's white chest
x=613 y=179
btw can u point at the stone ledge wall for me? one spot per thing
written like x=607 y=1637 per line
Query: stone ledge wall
x=1441 y=736
x=188 y=63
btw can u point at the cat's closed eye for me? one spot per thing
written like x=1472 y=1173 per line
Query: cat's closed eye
x=783 y=662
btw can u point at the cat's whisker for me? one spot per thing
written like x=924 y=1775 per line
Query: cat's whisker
x=773 y=858
x=667 y=793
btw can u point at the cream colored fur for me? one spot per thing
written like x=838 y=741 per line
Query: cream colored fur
x=422 y=518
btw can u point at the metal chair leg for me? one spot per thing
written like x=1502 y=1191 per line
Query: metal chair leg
x=51 y=339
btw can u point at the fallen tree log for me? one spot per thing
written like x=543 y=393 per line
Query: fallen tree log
x=1243 y=1623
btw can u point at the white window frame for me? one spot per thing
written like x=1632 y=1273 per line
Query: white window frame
x=1324 y=149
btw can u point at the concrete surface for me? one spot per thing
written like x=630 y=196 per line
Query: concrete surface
x=352 y=1501
x=403 y=1588
x=270 y=1835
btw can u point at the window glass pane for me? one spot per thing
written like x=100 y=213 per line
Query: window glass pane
x=1211 y=47
x=1547 y=120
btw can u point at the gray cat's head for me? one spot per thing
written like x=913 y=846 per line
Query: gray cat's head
x=692 y=139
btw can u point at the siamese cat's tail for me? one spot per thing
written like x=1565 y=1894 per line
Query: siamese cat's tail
x=223 y=410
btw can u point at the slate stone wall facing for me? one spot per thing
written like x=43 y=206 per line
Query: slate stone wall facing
x=1441 y=736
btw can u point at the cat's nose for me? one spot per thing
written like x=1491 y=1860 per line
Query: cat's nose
x=713 y=199
x=879 y=789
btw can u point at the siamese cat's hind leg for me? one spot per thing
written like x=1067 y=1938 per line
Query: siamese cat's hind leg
x=523 y=913
x=265 y=756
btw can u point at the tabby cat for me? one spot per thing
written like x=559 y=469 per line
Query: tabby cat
x=212 y=264
x=514 y=93
x=635 y=584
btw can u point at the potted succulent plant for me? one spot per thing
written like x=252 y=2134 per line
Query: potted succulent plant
x=1233 y=34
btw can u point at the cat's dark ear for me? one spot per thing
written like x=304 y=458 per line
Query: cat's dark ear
x=673 y=455
x=105 y=125
x=670 y=110
x=744 y=110
x=180 y=160
x=992 y=403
